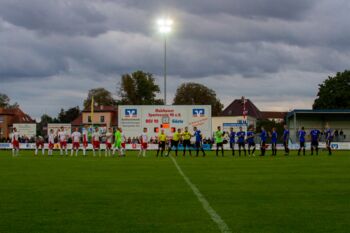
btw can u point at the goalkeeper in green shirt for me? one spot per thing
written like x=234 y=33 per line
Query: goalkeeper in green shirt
x=219 y=139
x=118 y=145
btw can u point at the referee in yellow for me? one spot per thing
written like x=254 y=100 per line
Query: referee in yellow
x=186 y=141
x=175 y=141
x=161 y=143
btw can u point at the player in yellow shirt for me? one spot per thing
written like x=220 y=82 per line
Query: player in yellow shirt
x=175 y=142
x=161 y=143
x=186 y=141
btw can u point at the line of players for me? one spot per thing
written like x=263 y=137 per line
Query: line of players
x=77 y=138
x=241 y=138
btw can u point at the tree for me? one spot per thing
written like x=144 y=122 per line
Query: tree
x=5 y=102
x=268 y=125
x=139 y=88
x=69 y=115
x=334 y=92
x=44 y=120
x=101 y=97
x=194 y=93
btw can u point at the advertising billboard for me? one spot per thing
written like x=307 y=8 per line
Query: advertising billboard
x=133 y=118
x=27 y=130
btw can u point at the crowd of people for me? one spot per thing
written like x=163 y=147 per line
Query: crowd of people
x=185 y=140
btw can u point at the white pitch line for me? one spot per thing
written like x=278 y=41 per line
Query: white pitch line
x=206 y=206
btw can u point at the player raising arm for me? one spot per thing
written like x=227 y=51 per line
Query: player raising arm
x=15 y=142
x=76 y=135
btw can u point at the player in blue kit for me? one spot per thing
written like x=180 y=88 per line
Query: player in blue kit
x=285 y=138
x=241 y=141
x=263 y=137
x=274 y=141
x=329 y=139
x=232 y=137
x=301 y=135
x=250 y=140
x=198 y=136
x=315 y=134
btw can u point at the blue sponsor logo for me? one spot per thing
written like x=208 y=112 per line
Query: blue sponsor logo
x=334 y=146
x=198 y=112
x=130 y=112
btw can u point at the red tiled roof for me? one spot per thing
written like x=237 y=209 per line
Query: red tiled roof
x=78 y=120
x=102 y=109
x=18 y=115
x=236 y=109
x=273 y=115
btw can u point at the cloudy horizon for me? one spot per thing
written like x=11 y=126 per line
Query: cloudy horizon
x=271 y=51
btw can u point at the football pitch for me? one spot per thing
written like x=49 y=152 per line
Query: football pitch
x=191 y=194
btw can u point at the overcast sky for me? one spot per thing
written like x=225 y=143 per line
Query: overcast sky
x=274 y=52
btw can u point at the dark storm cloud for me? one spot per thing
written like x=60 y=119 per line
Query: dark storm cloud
x=51 y=16
x=264 y=49
x=284 y=9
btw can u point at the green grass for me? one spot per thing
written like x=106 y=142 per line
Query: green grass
x=251 y=194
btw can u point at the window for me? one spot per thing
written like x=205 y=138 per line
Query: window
x=102 y=119
x=89 y=119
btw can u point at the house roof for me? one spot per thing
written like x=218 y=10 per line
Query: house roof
x=318 y=111
x=18 y=115
x=102 y=109
x=236 y=109
x=273 y=115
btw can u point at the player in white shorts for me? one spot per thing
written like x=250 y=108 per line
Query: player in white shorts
x=51 y=142
x=76 y=135
x=62 y=136
x=39 y=144
x=96 y=141
x=109 y=139
x=85 y=140
x=15 y=142
x=144 y=142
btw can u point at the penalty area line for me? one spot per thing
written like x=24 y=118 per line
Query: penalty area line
x=206 y=206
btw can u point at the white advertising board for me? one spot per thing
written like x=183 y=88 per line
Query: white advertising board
x=27 y=130
x=133 y=118
x=56 y=127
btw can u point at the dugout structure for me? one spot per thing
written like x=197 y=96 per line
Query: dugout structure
x=336 y=119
